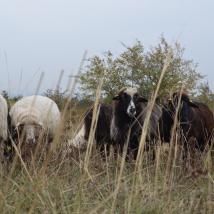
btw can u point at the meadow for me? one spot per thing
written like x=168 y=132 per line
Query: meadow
x=70 y=181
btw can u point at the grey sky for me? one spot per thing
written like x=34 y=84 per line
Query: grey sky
x=50 y=35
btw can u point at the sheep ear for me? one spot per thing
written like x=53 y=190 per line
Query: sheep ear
x=117 y=97
x=142 y=99
x=192 y=104
x=170 y=103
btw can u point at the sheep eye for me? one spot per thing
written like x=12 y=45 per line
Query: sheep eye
x=125 y=95
x=136 y=96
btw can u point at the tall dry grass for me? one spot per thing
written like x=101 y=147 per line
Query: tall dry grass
x=62 y=180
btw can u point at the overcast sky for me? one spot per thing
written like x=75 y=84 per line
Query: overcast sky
x=50 y=35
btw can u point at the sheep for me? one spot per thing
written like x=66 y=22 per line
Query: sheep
x=102 y=132
x=195 y=122
x=129 y=112
x=3 y=119
x=3 y=126
x=34 y=116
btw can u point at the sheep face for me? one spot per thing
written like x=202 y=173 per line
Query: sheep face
x=29 y=133
x=127 y=102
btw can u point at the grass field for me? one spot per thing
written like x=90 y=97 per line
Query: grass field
x=64 y=182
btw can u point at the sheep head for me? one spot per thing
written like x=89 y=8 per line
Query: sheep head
x=127 y=101
x=29 y=132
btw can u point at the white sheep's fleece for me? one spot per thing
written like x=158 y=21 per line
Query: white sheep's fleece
x=36 y=110
x=3 y=117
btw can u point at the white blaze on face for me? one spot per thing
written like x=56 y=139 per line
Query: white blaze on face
x=131 y=110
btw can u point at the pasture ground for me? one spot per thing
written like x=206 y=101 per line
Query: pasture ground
x=67 y=184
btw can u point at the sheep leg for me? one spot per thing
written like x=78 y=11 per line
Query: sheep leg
x=104 y=149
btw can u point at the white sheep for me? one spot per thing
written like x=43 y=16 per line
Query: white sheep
x=34 y=115
x=3 y=127
x=3 y=119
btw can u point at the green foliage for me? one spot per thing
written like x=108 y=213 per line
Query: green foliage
x=206 y=95
x=10 y=99
x=106 y=68
x=135 y=67
x=16 y=98
x=63 y=100
x=56 y=95
x=5 y=94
